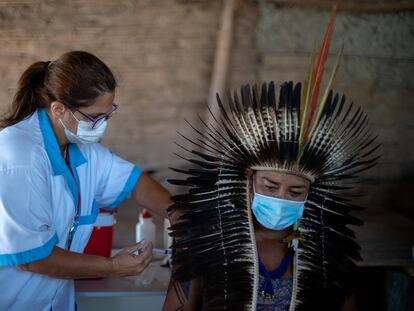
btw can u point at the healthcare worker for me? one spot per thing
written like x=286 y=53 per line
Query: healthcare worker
x=54 y=177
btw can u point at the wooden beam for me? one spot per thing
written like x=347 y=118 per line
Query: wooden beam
x=365 y=7
x=219 y=80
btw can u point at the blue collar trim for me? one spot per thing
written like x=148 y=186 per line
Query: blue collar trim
x=59 y=166
x=75 y=156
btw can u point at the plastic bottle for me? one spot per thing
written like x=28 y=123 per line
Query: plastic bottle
x=145 y=228
x=167 y=243
x=167 y=238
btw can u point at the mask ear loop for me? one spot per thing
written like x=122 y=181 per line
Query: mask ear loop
x=253 y=187
x=64 y=125
x=73 y=115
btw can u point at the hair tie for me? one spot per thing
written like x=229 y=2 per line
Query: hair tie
x=46 y=65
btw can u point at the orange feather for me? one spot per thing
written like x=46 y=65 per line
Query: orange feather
x=318 y=73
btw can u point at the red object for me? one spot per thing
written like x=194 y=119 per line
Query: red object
x=100 y=241
x=145 y=213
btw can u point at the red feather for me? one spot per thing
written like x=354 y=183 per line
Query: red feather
x=318 y=73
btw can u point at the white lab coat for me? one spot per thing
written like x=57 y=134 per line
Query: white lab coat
x=38 y=201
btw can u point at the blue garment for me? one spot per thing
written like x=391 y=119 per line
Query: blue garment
x=281 y=299
x=274 y=292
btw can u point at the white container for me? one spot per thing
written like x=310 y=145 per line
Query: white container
x=145 y=228
x=167 y=239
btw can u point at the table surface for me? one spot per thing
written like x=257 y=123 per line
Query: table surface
x=152 y=282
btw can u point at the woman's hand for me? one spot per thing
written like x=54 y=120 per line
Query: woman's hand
x=64 y=264
x=132 y=260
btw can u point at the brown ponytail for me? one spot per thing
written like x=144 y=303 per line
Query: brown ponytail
x=76 y=79
x=29 y=94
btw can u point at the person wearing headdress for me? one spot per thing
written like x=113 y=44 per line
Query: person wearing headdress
x=264 y=224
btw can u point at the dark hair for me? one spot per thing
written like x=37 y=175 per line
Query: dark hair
x=76 y=79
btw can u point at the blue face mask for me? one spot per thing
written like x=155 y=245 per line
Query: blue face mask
x=276 y=214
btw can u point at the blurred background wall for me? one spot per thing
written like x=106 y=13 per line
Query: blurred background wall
x=376 y=73
x=163 y=53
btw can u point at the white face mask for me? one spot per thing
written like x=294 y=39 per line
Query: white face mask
x=84 y=133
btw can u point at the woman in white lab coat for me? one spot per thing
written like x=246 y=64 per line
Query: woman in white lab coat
x=54 y=177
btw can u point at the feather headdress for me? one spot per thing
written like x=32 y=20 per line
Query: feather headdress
x=326 y=141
